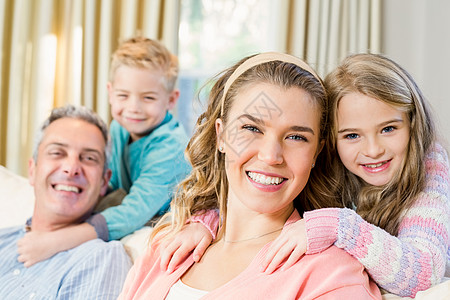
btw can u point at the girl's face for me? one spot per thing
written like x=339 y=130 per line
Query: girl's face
x=270 y=142
x=372 y=138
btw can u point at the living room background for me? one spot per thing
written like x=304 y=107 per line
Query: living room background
x=57 y=51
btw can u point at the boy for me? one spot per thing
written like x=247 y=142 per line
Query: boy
x=147 y=146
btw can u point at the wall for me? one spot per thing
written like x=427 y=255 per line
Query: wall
x=416 y=35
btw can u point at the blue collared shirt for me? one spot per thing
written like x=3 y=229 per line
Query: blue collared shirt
x=93 y=270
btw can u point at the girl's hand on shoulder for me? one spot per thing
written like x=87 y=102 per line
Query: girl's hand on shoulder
x=290 y=245
x=193 y=236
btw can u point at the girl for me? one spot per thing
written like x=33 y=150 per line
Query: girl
x=252 y=154
x=383 y=162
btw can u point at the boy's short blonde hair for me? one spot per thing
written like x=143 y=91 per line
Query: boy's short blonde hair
x=141 y=52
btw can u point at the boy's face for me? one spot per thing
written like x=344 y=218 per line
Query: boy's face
x=139 y=101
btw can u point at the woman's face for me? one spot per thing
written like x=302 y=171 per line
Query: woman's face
x=270 y=141
x=372 y=139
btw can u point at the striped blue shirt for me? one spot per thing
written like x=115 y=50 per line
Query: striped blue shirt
x=93 y=270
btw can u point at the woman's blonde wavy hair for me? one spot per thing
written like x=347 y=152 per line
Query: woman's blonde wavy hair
x=381 y=78
x=206 y=187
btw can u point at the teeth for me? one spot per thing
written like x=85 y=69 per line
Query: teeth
x=374 y=165
x=67 y=188
x=263 y=179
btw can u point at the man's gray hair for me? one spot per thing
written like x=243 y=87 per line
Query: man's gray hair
x=80 y=113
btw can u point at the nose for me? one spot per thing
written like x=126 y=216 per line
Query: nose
x=72 y=166
x=271 y=151
x=373 y=148
x=134 y=104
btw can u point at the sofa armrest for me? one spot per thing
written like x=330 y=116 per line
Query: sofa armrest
x=16 y=200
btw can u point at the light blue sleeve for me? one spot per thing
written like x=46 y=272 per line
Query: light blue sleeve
x=116 y=145
x=163 y=167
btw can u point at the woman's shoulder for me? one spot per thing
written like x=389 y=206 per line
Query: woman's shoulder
x=336 y=263
x=335 y=271
x=333 y=251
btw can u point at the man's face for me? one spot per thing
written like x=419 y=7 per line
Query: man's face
x=68 y=175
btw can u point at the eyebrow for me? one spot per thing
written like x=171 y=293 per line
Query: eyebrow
x=66 y=146
x=127 y=91
x=261 y=122
x=252 y=118
x=379 y=125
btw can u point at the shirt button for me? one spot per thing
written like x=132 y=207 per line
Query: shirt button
x=16 y=272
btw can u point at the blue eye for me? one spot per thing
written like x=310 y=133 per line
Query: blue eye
x=351 y=136
x=251 y=128
x=388 y=129
x=297 y=137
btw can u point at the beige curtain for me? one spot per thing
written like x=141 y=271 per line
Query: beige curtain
x=56 y=52
x=323 y=32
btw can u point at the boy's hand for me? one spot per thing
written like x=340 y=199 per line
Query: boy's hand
x=34 y=247
x=193 y=235
x=290 y=243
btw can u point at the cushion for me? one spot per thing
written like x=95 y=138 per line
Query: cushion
x=438 y=292
x=17 y=199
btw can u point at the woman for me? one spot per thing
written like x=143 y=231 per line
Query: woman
x=264 y=123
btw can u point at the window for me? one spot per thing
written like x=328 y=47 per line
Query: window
x=213 y=35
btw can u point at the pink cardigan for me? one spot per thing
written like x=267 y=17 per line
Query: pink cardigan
x=332 y=274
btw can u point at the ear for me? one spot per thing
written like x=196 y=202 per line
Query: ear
x=105 y=181
x=319 y=148
x=109 y=87
x=219 y=133
x=173 y=98
x=31 y=171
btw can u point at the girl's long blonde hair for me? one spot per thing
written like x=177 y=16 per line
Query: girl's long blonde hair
x=206 y=187
x=379 y=77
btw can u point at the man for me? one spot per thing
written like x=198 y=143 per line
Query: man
x=68 y=172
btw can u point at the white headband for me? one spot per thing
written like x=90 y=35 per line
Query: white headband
x=260 y=59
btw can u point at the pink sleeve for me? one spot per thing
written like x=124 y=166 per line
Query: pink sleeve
x=209 y=219
x=321 y=229
x=414 y=260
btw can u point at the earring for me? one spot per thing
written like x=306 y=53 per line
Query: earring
x=221 y=149
x=313 y=165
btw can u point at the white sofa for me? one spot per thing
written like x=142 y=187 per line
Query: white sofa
x=16 y=206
